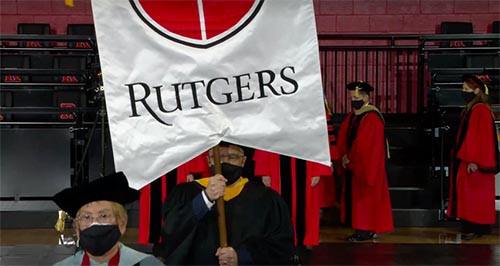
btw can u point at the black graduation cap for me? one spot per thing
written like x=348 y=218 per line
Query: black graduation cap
x=358 y=86
x=477 y=81
x=113 y=187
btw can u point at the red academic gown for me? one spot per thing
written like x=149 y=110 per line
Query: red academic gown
x=313 y=200
x=472 y=195
x=154 y=194
x=292 y=178
x=327 y=193
x=198 y=166
x=365 y=201
x=264 y=162
x=327 y=189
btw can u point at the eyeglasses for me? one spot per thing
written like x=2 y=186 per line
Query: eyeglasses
x=228 y=157
x=85 y=219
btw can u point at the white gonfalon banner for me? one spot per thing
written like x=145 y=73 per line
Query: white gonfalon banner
x=180 y=76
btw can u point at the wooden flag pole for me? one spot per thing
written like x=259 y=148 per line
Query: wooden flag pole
x=220 y=202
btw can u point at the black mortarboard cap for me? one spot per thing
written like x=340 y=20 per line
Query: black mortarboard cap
x=113 y=187
x=360 y=86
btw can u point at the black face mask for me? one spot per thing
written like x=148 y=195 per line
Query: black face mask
x=229 y=171
x=468 y=96
x=357 y=104
x=99 y=239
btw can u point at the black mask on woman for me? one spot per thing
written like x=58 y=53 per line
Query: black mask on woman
x=229 y=171
x=357 y=104
x=468 y=96
x=99 y=238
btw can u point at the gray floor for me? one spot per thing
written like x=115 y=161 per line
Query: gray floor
x=33 y=254
x=325 y=254
x=41 y=254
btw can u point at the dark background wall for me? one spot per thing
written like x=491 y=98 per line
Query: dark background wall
x=332 y=16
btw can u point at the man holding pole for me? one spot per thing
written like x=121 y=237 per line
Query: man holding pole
x=259 y=229
x=200 y=72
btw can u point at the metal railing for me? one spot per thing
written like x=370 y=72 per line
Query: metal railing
x=390 y=63
x=32 y=79
x=395 y=65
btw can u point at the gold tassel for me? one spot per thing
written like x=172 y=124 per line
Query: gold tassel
x=356 y=92
x=387 y=148
x=59 y=226
x=327 y=105
x=69 y=3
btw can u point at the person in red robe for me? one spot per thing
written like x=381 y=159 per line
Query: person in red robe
x=194 y=169
x=474 y=163
x=365 y=201
x=154 y=194
x=298 y=182
x=265 y=163
x=328 y=191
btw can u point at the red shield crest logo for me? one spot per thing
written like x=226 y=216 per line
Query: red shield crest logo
x=197 y=23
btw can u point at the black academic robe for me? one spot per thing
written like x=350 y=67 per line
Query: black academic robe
x=257 y=221
x=154 y=194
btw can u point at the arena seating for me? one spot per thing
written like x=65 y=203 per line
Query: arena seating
x=44 y=73
x=33 y=28
x=456 y=28
x=81 y=29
